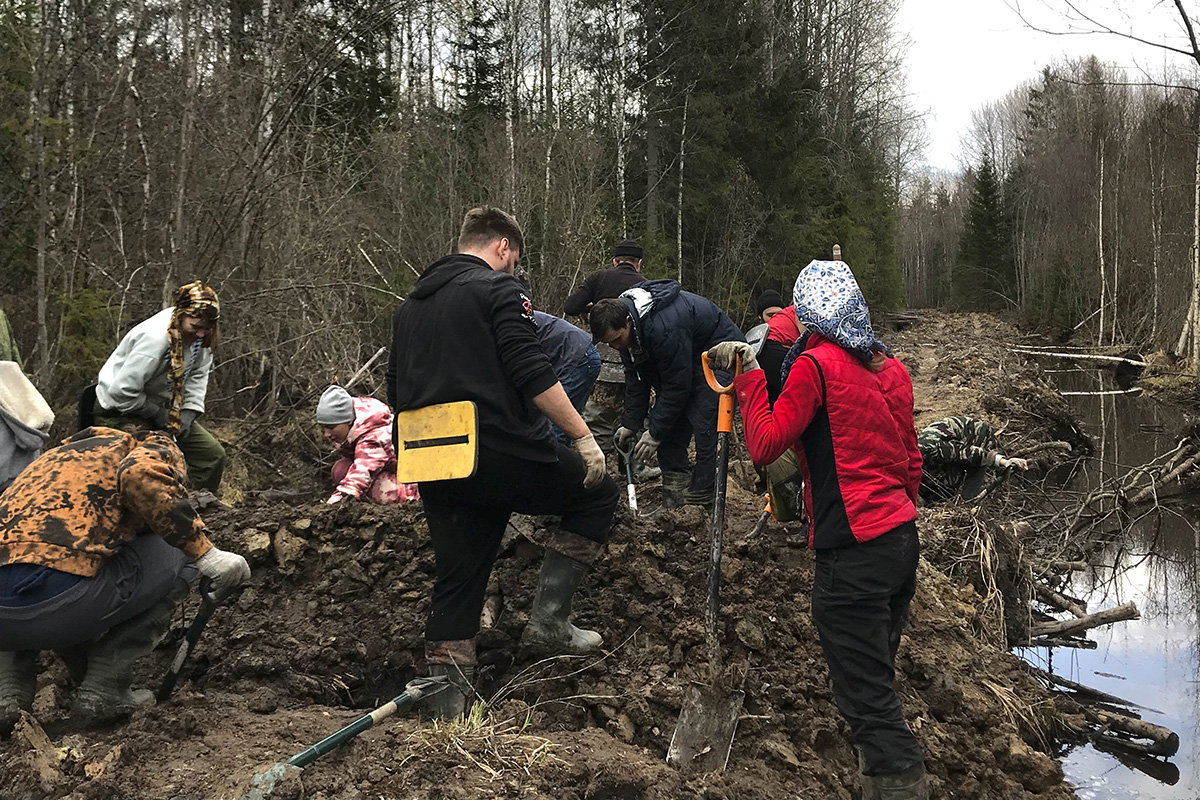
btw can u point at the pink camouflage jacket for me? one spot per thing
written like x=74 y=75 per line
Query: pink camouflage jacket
x=368 y=457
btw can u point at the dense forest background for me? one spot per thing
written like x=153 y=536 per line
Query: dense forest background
x=308 y=158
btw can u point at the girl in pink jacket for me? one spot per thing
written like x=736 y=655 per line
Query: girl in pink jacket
x=360 y=429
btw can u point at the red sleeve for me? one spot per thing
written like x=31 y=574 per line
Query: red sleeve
x=908 y=431
x=771 y=432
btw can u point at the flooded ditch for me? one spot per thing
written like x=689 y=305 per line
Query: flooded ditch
x=1153 y=661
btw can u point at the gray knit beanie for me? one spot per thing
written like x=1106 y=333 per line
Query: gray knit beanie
x=335 y=407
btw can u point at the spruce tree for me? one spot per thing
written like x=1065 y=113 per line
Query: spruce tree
x=985 y=278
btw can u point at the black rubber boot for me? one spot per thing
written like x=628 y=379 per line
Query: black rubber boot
x=18 y=680
x=550 y=629
x=105 y=693
x=456 y=661
x=695 y=498
x=674 y=487
x=911 y=784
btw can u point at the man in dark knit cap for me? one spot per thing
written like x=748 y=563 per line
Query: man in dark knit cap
x=625 y=273
x=768 y=304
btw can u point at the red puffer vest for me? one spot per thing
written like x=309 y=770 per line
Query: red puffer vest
x=853 y=432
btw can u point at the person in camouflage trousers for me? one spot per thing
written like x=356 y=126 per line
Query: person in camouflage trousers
x=956 y=453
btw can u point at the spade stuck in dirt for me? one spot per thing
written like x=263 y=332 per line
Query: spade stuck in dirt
x=708 y=720
x=264 y=783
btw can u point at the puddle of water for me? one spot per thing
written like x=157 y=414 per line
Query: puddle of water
x=1153 y=661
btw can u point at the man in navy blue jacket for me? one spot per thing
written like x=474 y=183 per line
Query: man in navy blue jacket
x=661 y=332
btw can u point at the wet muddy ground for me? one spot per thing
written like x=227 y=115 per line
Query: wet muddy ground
x=332 y=621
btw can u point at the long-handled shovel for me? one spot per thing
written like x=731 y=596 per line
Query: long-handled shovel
x=263 y=784
x=708 y=720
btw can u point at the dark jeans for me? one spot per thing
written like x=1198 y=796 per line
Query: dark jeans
x=699 y=418
x=129 y=583
x=467 y=519
x=859 y=604
x=578 y=385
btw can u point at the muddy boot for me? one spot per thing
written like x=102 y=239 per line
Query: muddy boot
x=18 y=680
x=696 y=498
x=105 y=693
x=550 y=629
x=455 y=660
x=674 y=487
x=870 y=789
x=911 y=784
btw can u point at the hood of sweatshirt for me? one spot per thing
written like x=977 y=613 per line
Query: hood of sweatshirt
x=444 y=270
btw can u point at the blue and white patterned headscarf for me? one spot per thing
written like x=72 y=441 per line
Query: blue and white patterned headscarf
x=829 y=302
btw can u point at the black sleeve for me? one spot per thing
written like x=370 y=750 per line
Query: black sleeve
x=515 y=333
x=577 y=302
x=637 y=396
x=771 y=360
x=392 y=366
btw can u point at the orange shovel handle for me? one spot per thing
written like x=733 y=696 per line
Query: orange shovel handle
x=725 y=406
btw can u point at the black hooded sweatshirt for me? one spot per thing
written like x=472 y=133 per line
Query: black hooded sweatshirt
x=466 y=332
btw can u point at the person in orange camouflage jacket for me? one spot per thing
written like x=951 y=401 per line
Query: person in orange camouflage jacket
x=98 y=544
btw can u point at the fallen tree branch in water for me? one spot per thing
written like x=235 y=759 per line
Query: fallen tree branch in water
x=1125 y=611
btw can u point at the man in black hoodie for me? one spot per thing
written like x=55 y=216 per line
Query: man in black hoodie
x=467 y=332
x=661 y=333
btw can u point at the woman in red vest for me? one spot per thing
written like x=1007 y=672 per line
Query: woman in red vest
x=846 y=410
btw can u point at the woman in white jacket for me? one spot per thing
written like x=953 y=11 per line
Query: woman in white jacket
x=158 y=376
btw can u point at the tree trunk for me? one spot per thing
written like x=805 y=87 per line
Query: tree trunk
x=1100 y=245
x=1194 y=310
x=622 y=72
x=679 y=196
x=40 y=111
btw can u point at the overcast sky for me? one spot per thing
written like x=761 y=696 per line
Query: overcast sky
x=965 y=53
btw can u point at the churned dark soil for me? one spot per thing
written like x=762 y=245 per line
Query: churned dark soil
x=331 y=626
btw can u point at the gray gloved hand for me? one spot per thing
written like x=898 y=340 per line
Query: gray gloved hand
x=186 y=418
x=724 y=356
x=155 y=413
x=593 y=459
x=646 y=447
x=226 y=570
x=623 y=438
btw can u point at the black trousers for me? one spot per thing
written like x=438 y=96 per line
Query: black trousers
x=860 y=602
x=467 y=519
x=699 y=418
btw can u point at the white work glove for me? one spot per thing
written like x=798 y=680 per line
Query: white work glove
x=226 y=570
x=724 y=356
x=1003 y=462
x=186 y=418
x=646 y=447
x=624 y=438
x=593 y=460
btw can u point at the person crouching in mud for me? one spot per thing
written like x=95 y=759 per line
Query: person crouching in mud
x=98 y=544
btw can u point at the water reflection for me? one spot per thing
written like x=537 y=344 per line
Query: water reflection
x=1152 y=661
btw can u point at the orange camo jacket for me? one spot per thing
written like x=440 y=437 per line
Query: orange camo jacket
x=76 y=504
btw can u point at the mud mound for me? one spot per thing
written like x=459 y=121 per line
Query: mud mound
x=334 y=618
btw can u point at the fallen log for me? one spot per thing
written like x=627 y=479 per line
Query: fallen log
x=1120 y=613
x=1078 y=644
x=1079 y=356
x=1087 y=691
x=1133 y=755
x=1166 y=741
x=1059 y=600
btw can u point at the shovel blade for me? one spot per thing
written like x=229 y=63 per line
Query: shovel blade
x=704 y=734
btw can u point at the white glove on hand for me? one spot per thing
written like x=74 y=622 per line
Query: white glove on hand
x=226 y=570
x=593 y=460
x=623 y=438
x=1003 y=462
x=336 y=497
x=186 y=418
x=646 y=447
x=724 y=356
